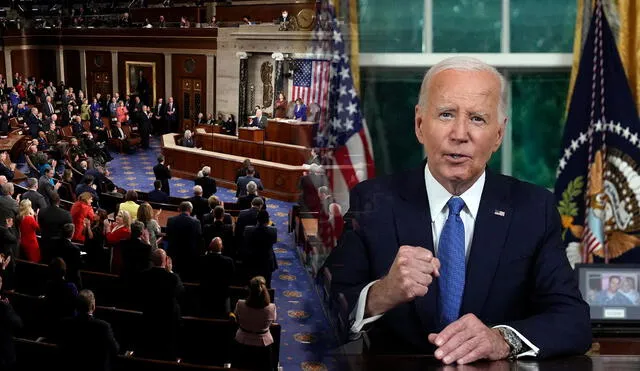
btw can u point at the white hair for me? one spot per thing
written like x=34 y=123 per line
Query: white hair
x=462 y=63
x=197 y=190
x=206 y=171
x=252 y=187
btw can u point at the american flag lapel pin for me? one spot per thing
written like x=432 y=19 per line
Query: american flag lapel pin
x=498 y=212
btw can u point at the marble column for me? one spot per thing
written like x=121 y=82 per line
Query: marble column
x=168 y=82
x=244 y=84
x=210 y=76
x=83 y=73
x=60 y=64
x=279 y=78
x=8 y=67
x=114 y=72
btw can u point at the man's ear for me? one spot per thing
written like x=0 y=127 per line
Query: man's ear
x=418 y=123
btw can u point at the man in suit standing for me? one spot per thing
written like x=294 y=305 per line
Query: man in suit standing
x=215 y=274
x=52 y=220
x=246 y=218
x=33 y=123
x=259 y=121
x=184 y=234
x=70 y=253
x=207 y=183
x=7 y=171
x=258 y=244
x=86 y=343
x=157 y=195
x=37 y=200
x=160 y=290
x=145 y=127
x=241 y=184
x=46 y=186
x=171 y=117
x=47 y=108
x=200 y=204
x=218 y=228
x=163 y=174
x=159 y=114
x=477 y=268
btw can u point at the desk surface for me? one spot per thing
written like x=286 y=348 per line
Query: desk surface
x=427 y=363
x=310 y=226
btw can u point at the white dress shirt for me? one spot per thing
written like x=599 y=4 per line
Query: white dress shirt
x=438 y=197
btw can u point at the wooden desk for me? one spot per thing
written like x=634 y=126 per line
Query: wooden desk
x=217 y=129
x=291 y=132
x=280 y=180
x=253 y=135
x=269 y=151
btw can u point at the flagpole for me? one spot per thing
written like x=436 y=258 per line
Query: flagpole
x=355 y=43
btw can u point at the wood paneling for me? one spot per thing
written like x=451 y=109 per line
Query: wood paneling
x=167 y=38
x=99 y=79
x=264 y=13
x=3 y=69
x=72 y=68
x=189 y=67
x=40 y=63
x=156 y=58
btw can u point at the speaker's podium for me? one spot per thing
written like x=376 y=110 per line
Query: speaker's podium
x=252 y=134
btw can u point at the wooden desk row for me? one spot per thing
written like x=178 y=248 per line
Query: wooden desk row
x=280 y=180
x=268 y=151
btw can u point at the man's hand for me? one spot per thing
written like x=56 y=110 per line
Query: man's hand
x=468 y=340
x=409 y=277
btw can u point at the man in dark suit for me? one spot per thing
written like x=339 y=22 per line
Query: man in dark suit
x=159 y=113
x=475 y=270
x=171 y=116
x=157 y=195
x=208 y=218
x=52 y=220
x=207 y=183
x=86 y=343
x=200 y=204
x=8 y=206
x=4 y=119
x=246 y=218
x=70 y=253
x=47 y=108
x=160 y=290
x=218 y=228
x=184 y=234
x=259 y=121
x=97 y=127
x=136 y=254
x=145 y=127
x=34 y=123
x=7 y=170
x=11 y=322
x=37 y=200
x=163 y=174
x=215 y=274
x=258 y=244
x=244 y=202
x=241 y=184
x=45 y=185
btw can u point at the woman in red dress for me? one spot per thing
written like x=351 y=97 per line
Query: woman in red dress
x=281 y=106
x=80 y=211
x=28 y=227
x=116 y=232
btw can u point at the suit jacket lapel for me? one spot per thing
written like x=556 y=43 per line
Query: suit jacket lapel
x=413 y=227
x=489 y=235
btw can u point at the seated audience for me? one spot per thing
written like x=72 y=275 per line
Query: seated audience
x=28 y=228
x=254 y=316
x=86 y=343
x=187 y=139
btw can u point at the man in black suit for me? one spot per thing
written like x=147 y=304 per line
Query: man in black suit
x=86 y=343
x=259 y=121
x=136 y=253
x=37 y=200
x=157 y=195
x=33 y=123
x=97 y=127
x=218 y=228
x=52 y=220
x=159 y=113
x=208 y=218
x=207 y=183
x=7 y=171
x=241 y=184
x=244 y=202
x=171 y=116
x=259 y=240
x=145 y=126
x=184 y=234
x=160 y=290
x=8 y=206
x=4 y=119
x=215 y=274
x=47 y=108
x=11 y=322
x=118 y=133
x=200 y=204
x=70 y=253
x=163 y=174
x=45 y=187
x=246 y=218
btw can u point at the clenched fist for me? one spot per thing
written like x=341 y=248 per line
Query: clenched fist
x=409 y=277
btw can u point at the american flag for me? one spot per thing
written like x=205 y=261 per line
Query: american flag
x=311 y=83
x=343 y=134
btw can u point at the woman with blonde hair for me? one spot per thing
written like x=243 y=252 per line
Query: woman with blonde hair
x=85 y=114
x=150 y=221
x=80 y=211
x=116 y=232
x=254 y=316
x=28 y=227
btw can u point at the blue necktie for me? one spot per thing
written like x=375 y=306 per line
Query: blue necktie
x=452 y=260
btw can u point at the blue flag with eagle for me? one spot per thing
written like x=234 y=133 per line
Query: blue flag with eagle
x=598 y=185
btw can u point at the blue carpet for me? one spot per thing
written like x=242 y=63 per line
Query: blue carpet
x=306 y=332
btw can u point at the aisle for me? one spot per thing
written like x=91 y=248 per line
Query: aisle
x=306 y=333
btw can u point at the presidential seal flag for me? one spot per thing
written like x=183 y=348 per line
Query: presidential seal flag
x=598 y=185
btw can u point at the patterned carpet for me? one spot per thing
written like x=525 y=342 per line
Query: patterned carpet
x=306 y=332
